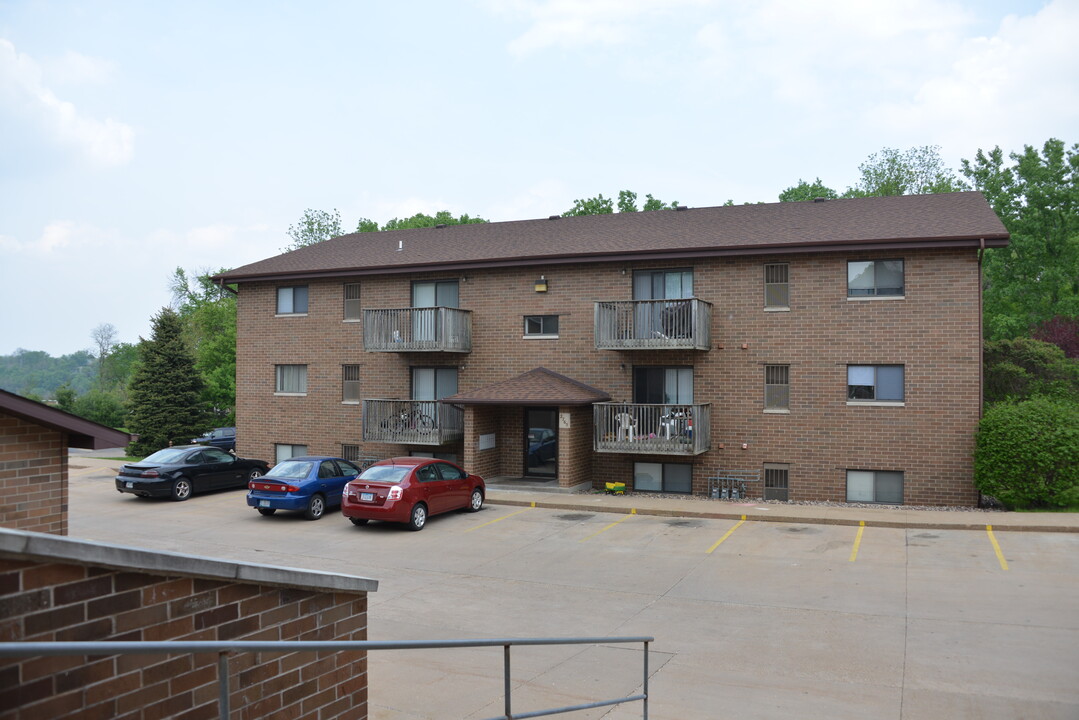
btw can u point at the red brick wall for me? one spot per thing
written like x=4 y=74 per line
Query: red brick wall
x=934 y=332
x=45 y=602
x=33 y=477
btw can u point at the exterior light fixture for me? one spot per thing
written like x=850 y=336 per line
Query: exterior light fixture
x=541 y=284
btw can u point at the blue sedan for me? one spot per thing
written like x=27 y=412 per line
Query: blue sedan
x=307 y=484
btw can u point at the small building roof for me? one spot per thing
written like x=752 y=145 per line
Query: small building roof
x=539 y=386
x=81 y=433
x=908 y=221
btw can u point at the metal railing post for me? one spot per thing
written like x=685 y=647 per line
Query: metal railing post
x=223 y=684
x=644 y=703
x=506 y=679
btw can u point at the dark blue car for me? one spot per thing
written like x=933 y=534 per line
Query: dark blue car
x=309 y=484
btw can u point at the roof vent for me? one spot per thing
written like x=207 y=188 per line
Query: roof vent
x=554 y=217
x=440 y=225
x=681 y=207
x=400 y=245
x=820 y=199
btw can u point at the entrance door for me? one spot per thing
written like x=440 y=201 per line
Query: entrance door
x=541 y=442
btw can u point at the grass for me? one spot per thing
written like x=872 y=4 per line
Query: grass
x=123 y=459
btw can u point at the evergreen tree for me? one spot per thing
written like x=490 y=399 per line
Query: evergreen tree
x=166 y=389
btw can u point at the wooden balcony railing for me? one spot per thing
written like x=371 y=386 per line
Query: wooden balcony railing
x=654 y=325
x=652 y=429
x=430 y=329
x=412 y=422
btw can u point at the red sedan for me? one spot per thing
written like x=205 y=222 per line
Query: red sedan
x=409 y=490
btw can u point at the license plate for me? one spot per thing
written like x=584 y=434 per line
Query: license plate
x=130 y=484
x=264 y=503
x=367 y=497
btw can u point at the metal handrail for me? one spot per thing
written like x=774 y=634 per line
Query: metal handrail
x=223 y=649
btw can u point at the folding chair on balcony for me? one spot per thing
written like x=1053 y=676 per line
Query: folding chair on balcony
x=627 y=427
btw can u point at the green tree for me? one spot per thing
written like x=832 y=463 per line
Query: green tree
x=65 y=398
x=598 y=205
x=1036 y=196
x=917 y=171
x=1023 y=368
x=208 y=313
x=104 y=337
x=420 y=220
x=314 y=227
x=166 y=390
x=627 y=202
x=1027 y=453
x=101 y=406
x=805 y=191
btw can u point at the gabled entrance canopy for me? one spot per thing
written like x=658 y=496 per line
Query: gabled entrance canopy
x=539 y=386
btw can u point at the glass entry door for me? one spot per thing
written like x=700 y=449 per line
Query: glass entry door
x=541 y=442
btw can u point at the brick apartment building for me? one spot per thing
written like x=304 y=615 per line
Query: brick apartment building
x=831 y=349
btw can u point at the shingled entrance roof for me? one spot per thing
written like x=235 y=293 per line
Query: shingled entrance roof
x=535 y=387
x=908 y=221
x=81 y=433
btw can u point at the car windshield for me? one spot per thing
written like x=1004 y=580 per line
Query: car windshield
x=168 y=455
x=385 y=473
x=290 y=469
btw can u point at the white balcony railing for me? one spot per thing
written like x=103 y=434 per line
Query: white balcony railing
x=412 y=422
x=654 y=325
x=652 y=429
x=430 y=329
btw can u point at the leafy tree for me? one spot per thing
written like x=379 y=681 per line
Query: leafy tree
x=1027 y=454
x=1036 y=277
x=1062 y=332
x=34 y=372
x=104 y=337
x=101 y=407
x=598 y=205
x=420 y=220
x=804 y=191
x=918 y=171
x=119 y=365
x=65 y=398
x=166 y=405
x=208 y=313
x=1023 y=368
x=314 y=227
x=366 y=225
x=627 y=202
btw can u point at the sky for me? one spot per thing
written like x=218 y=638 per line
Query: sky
x=139 y=137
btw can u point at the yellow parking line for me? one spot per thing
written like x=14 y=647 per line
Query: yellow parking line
x=857 y=541
x=996 y=547
x=627 y=517
x=720 y=541
x=492 y=522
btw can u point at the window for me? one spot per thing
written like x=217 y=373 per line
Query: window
x=350 y=384
x=777 y=388
x=350 y=452
x=875 y=486
x=875 y=278
x=658 y=318
x=285 y=452
x=433 y=383
x=292 y=300
x=541 y=326
x=352 y=301
x=663 y=385
x=776 y=286
x=662 y=477
x=442 y=293
x=875 y=383
x=662 y=284
x=291 y=379
x=776 y=478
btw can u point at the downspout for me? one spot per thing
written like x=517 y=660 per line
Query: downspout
x=981 y=332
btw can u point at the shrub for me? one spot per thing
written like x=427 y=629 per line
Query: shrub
x=1026 y=454
x=1062 y=332
x=1023 y=368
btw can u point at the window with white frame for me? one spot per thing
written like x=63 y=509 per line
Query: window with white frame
x=776 y=481
x=350 y=384
x=777 y=294
x=875 y=278
x=875 y=486
x=292 y=300
x=291 y=380
x=352 y=302
x=875 y=383
x=283 y=452
x=541 y=326
x=777 y=387
x=662 y=477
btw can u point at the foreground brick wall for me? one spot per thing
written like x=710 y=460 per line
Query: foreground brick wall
x=58 y=601
x=33 y=465
x=934 y=332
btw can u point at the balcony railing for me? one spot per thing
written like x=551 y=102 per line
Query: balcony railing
x=654 y=325
x=429 y=329
x=650 y=429
x=412 y=422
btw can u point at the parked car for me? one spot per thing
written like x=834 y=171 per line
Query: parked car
x=312 y=484
x=223 y=437
x=409 y=490
x=177 y=472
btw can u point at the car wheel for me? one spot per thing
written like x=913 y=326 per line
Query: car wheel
x=316 y=507
x=476 y=501
x=255 y=472
x=267 y=511
x=358 y=521
x=418 y=518
x=181 y=489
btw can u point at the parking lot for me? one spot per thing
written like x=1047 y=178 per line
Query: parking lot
x=751 y=619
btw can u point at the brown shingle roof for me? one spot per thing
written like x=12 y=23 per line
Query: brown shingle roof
x=539 y=386
x=81 y=433
x=947 y=220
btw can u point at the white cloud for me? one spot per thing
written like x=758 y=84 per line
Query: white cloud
x=106 y=142
x=57 y=239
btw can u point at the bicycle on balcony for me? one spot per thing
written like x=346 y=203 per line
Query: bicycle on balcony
x=411 y=419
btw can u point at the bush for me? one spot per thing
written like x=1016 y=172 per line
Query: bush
x=1023 y=368
x=1026 y=454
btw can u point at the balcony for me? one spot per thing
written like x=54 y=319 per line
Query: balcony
x=647 y=429
x=412 y=422
x=654 y=325
x=429 y=329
